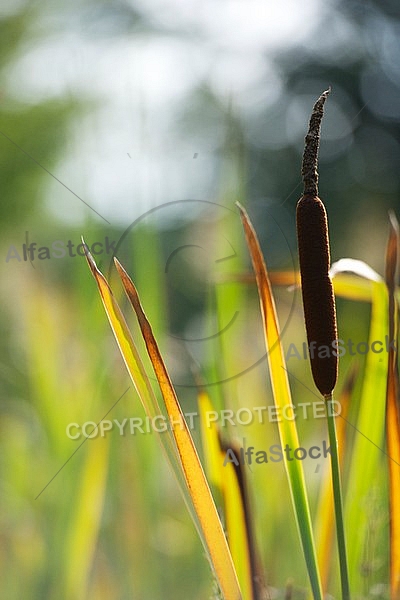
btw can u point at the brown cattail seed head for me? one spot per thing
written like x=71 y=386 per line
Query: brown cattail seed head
x=317 y=291
x=314 y=257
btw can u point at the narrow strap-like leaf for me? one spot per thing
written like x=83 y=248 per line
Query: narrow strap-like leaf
x=203 y=502
x=282 y=397
x=393 y=412
x=228 y=477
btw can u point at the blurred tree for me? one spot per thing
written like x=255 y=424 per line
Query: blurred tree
x=31 y=136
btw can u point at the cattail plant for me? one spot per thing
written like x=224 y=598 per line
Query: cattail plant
x=233 y=557
x=319 y=306
x=314 y=256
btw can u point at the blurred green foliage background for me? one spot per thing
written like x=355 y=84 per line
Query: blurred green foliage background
x=145 y=122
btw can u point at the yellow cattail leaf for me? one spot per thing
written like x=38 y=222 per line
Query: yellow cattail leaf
x=228 y=477
x=210 y=442
x=179 y=448
x=201 y=498
x=236 y=526
x=125 y=341
x=137 y=371
x=84 y=526
x=346 y=285
x=352 y=287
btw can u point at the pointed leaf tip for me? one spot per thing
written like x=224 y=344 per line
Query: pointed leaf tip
x=393 y=220
x=90 y=260
x=129 y=286
x=240 y=207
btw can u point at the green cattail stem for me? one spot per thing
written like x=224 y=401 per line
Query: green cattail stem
x=337 y=498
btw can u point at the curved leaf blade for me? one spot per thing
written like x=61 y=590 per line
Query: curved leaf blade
x=209 y=521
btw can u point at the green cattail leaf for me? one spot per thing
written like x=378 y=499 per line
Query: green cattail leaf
x=368 y=442
x=282 y=396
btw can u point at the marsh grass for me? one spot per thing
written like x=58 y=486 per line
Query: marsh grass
x=112 y=525
x=355 y=442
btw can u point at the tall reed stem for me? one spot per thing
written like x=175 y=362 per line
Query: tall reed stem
x=337 y=498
